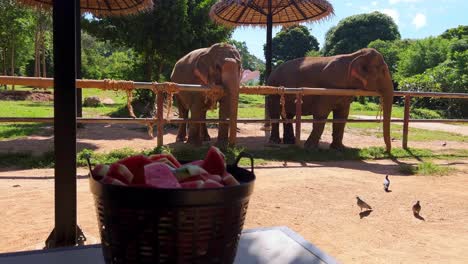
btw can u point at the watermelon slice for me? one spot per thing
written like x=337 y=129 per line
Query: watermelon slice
x=214 y=162
x=100 y=171
x=159 y=175
x=188 y=171
x=197 y=184
x=172 y=159
x=212 y=177
x=136 y=165
x=120 y=172
x=195 y=162
x=110 y=180
x=230 y=181
x=211 y=184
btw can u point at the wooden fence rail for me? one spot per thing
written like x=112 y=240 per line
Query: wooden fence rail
x=161 y=88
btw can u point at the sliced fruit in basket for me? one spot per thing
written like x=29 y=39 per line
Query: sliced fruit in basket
x=110 y=180
x=159 y=175
x=172 y=159
x=136 y=165
x=214 y=162
x=189 y=172
x=120 y=172
x=197 y=184
x=100 y=171
x=211 y=184
x=229 y=180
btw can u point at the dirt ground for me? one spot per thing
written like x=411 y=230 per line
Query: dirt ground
x=317 y=200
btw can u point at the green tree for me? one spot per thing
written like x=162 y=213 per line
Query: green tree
x=291 y=43
x=249 y=61
x=356 y=32
x=163 y=35
x=422 y=55
x=391 y=51
x=16 y=37
x=458 y=32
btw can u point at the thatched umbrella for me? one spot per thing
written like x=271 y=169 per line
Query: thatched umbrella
x=66 y=20
x=269 y=13
x=100 y=7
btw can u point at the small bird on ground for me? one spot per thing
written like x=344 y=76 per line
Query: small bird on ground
x=416 y=208
x=444 y=144
x=362 y=204
x=386 y=183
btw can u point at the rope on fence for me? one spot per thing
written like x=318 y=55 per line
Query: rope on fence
x=127 y=86
x=214 y=94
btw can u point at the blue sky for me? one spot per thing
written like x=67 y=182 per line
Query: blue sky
x=415 y=19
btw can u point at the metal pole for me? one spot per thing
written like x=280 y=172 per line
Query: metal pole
x=267 y=126
x=65 y=39
x=406 y=121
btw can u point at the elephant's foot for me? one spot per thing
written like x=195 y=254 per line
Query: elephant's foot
x=289 y=140
x=311 y=144
x=274 y=140
x=337 y=146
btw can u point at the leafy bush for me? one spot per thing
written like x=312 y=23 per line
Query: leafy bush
x=421 y=113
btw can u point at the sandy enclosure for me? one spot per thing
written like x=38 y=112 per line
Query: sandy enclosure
x=317 y=200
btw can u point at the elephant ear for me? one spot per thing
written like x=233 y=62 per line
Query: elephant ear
x=361 y=69
x=203 y=68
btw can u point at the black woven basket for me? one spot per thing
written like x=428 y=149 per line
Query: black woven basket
x=148 y=225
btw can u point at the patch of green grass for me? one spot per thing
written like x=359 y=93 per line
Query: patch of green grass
x=26 y=109
x=119 y=97
x=371 y=109
x=249 y=100
x=425 y=168
x=184 y=152
x=250 y=112
x=17 y=130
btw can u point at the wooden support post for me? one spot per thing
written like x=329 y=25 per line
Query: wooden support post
x=298 y=118
x=406 y=121
x=233 y=116
x=160 y=117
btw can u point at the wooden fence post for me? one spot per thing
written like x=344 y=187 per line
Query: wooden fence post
x=406 y=121
x=233 y=116
x=160 y=117
x=298 y=118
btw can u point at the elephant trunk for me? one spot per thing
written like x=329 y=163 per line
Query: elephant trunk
x=387 y=102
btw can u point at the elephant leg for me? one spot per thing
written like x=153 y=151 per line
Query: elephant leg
x=223 y=128
x=194 y=137
x=182 y=131
x=273 y=106
x=338 y=128
x=317 y=131
x=204 y=130
x=288 y=133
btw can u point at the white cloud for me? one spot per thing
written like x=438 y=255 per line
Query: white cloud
x=393 y=13
x=419 y=20
x=392 y=2
x=374 y=3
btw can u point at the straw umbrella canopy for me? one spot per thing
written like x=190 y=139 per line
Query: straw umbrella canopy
x=269 y=13
x=66 y=16
x=101 y=7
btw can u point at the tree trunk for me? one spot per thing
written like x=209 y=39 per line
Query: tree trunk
x=13 y=63
x=36 y=53
x=44 y=69
x=3 y=54
x=149 y=68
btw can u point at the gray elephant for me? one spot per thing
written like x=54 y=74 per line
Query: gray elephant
x=364 y=69
x=219 y=64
